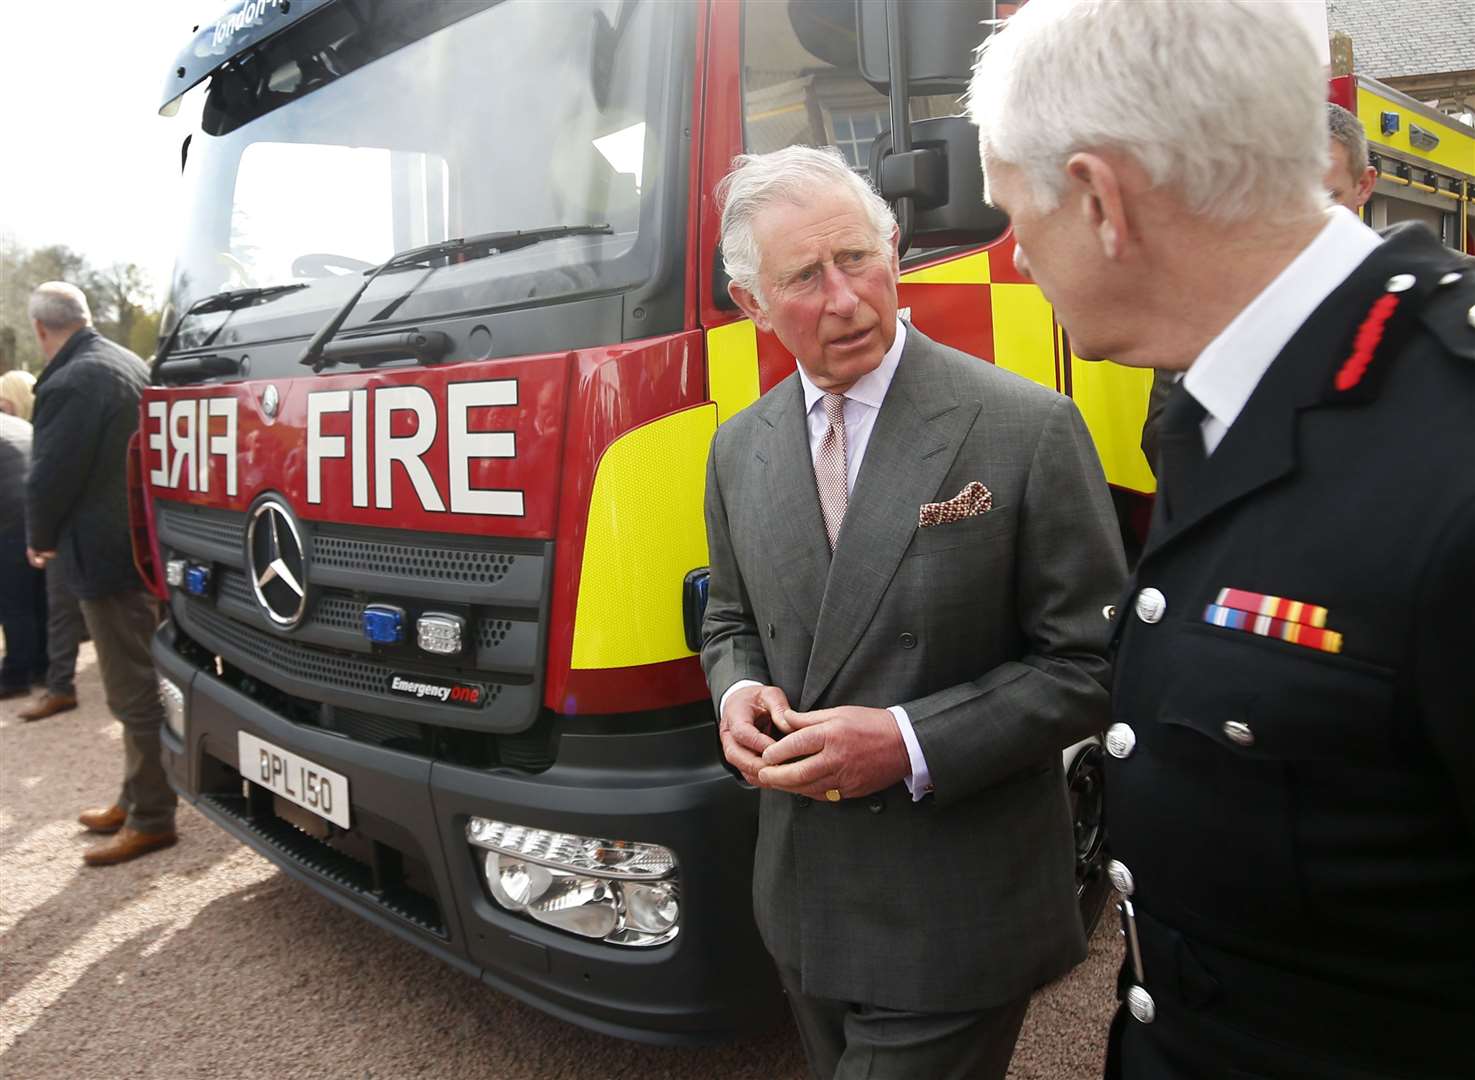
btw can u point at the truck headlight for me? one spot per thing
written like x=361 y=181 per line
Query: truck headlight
x=620 y=891
x=173 y=698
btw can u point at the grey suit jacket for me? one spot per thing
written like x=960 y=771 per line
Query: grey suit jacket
x=989 y=631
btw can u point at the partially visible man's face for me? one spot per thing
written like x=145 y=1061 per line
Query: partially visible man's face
x=1347 y=187
x=829 y=288
x=1058 y=252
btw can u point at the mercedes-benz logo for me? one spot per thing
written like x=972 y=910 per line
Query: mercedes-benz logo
x=269 y=401
x=275 y=561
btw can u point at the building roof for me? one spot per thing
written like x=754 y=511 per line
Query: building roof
x=1395 y=38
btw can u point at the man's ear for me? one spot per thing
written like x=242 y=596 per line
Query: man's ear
x=896 y=250
x=751 y=308
x=1098 y=186
x=1365 y=184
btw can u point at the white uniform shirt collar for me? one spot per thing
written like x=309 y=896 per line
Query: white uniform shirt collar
x=1225 y=374
x=870 y=389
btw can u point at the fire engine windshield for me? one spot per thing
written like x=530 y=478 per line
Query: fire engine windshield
x=376 y=126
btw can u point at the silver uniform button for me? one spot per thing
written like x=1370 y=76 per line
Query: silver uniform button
x=1109 y=612
x=1151 y=605
x=1121 y=740
x=1450 y=278
x=1400 y=283
x=1238 y=733
x=1121 y=877
x=1470 y=318
x=1140 y=1005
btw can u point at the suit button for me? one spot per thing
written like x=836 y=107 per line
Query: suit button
x=1151 y=605
x=908 y=641
x=1121 y=740
x=1121 y=877
x=1239 y=734
x=1141 y=1005
x=802 y=801
x=876 y=804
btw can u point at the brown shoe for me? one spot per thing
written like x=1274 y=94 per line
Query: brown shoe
x=103 y=820
x=128 y=844
x=49 y=705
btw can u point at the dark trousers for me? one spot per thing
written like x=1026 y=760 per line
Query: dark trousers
x=849 y=1041
x=64 y=629
x=22 y=613
x=121 y=626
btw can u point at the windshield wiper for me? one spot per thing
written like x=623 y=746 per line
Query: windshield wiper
x=228 y=300
x=459 y=250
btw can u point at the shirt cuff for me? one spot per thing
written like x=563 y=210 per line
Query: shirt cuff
x=734 y=688
x=920 y=782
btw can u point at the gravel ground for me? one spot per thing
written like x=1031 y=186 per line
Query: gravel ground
x=204 y=961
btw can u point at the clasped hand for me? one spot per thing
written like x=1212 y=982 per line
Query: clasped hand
x=851 y=749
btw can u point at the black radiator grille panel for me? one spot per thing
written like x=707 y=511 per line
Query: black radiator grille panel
x=340 y=612
x=302 y=661
x=225 y=529
x=423 y=561
x=379 y=730
x=234 y=586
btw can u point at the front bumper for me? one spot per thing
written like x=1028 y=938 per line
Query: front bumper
x=406 y=866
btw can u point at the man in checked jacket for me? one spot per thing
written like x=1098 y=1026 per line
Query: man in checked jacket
x=910 y=552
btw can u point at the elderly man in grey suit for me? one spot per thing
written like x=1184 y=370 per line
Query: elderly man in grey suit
x=911 y=551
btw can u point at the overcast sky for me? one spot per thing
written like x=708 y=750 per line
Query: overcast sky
x=88 y=161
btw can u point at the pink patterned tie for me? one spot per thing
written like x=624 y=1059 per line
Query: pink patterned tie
x=831 y=468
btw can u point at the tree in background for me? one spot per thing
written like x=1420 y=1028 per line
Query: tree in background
x=122 y=299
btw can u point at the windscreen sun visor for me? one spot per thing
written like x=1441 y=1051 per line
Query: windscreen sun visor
x=242 y=26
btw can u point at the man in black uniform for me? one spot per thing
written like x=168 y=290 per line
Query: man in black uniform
x=1291 y=807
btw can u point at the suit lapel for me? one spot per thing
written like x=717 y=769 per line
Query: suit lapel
x=801 y=552
x=916 y=437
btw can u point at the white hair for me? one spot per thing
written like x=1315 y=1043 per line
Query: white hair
x=788 y=175
x=1220 y=101
x=57 y=305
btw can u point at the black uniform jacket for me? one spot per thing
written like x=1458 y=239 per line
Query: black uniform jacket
x=1305 y=881
x=77 y=494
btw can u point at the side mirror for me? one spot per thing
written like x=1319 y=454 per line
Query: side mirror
x=903 y=55
x=943 y=178
x=939 y=43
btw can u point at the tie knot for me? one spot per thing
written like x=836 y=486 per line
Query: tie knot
x=835 y=409
x=1183 y=413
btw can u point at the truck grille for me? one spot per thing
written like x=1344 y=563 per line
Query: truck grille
x=500 y=587
x=419 y=561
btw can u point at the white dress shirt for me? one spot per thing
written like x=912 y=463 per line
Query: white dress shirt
x=862 y=403
x=1225 y=374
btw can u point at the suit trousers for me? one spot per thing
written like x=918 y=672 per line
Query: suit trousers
x=64 y=629
x=121 y=625
x=849 y=1041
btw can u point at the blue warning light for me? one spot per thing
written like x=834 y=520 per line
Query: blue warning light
x=383 y=624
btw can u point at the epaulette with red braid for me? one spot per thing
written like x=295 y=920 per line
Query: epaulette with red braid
x=1380 y=337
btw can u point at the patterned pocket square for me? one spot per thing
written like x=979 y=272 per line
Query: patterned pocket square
x=973 y=500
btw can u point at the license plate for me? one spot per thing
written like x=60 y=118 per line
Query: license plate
x=309 y=785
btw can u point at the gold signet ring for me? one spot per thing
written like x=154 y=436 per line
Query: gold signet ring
x=833 y=794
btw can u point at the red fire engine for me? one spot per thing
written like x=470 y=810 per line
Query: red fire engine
x=420 y=477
